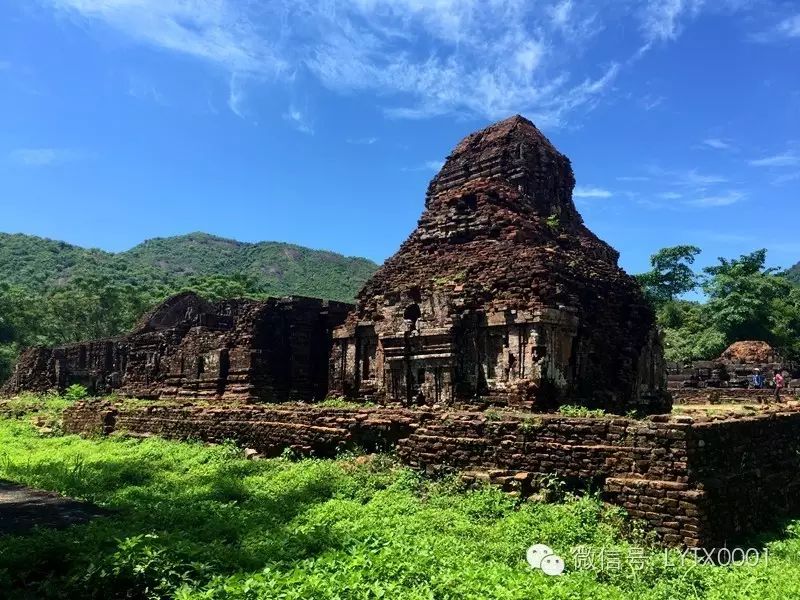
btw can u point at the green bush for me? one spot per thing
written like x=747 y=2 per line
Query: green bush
x=569 y=410
x=76 y=392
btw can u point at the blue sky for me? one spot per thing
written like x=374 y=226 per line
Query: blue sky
x=321 y=122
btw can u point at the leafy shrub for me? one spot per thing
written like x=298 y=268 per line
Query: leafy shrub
x=76 y=392
x=569 y=410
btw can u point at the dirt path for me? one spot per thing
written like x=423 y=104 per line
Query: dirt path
x=22 y=508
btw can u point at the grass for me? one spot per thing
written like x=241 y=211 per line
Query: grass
x=190 y=521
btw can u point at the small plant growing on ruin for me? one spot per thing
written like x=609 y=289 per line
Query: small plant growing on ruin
x=569 y=410
x=530 y=424
x=553 y=222
x=76 y=392
x=342 y=402
x=492 y=415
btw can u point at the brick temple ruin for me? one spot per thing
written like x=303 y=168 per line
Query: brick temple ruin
x=500 y=298
x=502 y=295
x=186 y=348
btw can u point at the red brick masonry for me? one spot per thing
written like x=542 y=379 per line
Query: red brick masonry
x=695 y=483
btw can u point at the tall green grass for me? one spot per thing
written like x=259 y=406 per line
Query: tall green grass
x=191 y=521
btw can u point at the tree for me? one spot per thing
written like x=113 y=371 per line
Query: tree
x=219 y=287
x=671 y=274
x=748 y=301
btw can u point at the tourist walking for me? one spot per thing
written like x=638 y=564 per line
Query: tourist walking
x=778 y=382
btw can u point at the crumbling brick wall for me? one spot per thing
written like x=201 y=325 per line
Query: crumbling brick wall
x=694 y=483
x=749 y=471
x=236 y=350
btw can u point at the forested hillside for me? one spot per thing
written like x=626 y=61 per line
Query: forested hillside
x=52 y=292
x=793 y=274
x=275 y=268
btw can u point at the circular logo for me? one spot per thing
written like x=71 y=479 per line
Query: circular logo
x=553 y=565
x=536 y=553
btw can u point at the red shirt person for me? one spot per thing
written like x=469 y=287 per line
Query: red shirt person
x=778 y=381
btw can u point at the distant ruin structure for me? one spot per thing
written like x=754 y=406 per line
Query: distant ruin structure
x=731 y=377
x=187 y=348
x=502 y=295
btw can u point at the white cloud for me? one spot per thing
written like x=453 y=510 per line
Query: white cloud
x=428 y=165
x=422 y=57
x=434 y=165
x=142 y=88
x=634 y=178
x=365 y=141
x=561 y=13
x=687 y=178
x=649 y=101
x=670 y=196
x=726 y=199
x=236 y=96
x=662 y=19
x=786 y=178
x=787 y=159
x=213 y=30
x=790 y=27
x=481 y=58
x=299 y=120
x=590 y=192
x=44 y=157
x=718 y=144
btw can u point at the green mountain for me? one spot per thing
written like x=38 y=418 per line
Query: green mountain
x=793 y=274
x=275 y=268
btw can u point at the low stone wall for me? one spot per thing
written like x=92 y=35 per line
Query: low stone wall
x=694 y=483
x=269 y=429
x=749 y=471
x=727 y=396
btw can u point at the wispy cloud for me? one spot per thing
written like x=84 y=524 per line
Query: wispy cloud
x=417 y=58
x=591 y=192
x=365 y=141
x=633 y=178
x=45 y=157
x=790 y=27
x=299 y=119
x=786 y=178
x=786 y=159
x=718 y=144
x=688 y=177
x=215 y=31
x=487 y=59
x=662 y=20
x=236 y=96
x=725 y=199
x=786 y=29
x=142 y=88
x=670 y=196
x=649 y=101
x=429 y=165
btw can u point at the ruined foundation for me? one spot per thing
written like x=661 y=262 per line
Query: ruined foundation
x=696 y=484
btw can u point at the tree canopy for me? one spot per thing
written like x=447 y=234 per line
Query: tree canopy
x=745 y=300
